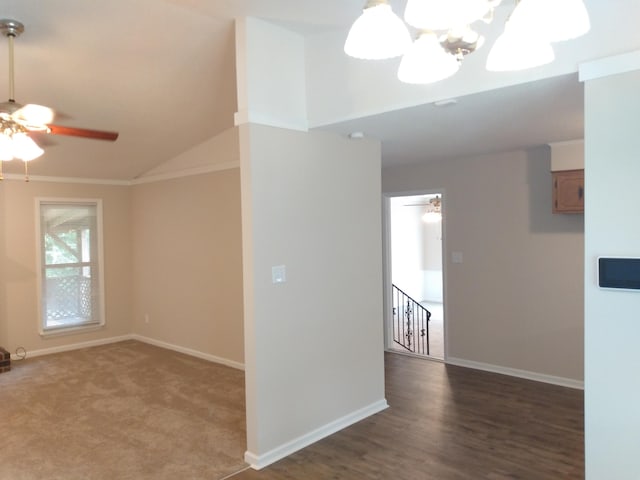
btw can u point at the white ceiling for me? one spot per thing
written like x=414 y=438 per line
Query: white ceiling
x=520 y=116
x=161 y=72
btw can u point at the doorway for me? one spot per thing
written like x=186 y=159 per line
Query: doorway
x=415 y=314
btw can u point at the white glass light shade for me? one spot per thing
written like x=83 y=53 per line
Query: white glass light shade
x=377 y=34
x=6 y=148
x=426 y=61
x=444 y=14
x=24 y=148
x=34 y=115
x=518 y=49
x=556 y=20
x=432 y=217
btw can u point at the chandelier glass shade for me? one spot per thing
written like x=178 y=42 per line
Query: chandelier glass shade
x=526 y=42
x=377 y=34
x=427 y=61
x=517 y=49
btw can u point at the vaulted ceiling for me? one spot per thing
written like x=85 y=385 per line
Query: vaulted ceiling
x=162 y=73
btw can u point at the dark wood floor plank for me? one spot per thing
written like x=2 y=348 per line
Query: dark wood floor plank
x=450 y=423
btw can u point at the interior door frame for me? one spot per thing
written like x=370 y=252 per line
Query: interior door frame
x=387 y=302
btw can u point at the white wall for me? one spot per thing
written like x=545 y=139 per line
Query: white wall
x=432 y=262
x=271 y=75
x=567 y=155
x=612 y=321
x=416 y=250
x=407 y=248
x=516 y=301
x=314 y=345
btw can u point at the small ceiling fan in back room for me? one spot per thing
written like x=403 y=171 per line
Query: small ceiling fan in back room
x=19 y=122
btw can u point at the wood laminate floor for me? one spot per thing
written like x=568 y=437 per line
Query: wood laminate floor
x=450 y=423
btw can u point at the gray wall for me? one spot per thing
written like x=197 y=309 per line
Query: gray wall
x=516 y=301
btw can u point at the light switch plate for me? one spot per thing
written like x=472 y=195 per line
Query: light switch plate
x=456 y=257
x=279 y=274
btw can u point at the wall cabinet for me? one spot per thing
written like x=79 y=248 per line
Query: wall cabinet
x=568 y=191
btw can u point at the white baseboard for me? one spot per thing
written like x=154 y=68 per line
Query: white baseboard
x=74 y=346
x=189 y=351
x=258 y=462
x=140 y=338
x=514 y=372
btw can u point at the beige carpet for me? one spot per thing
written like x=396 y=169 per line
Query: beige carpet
x=121 y=411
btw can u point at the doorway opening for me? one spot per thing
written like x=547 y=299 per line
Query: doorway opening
x=415 y=320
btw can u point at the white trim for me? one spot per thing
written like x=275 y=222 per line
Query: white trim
x=90 y=181
x=188 y=351
x=514 y=372
x=128 y=183
x=258 y=462
x=606 y=67
x=69 y=329
x=414 y=355
x=246 y=116
x=131 y=336
x=101 y=321
x=73 y=346
x=567 y=143
x=388 y=265
x=186 y=172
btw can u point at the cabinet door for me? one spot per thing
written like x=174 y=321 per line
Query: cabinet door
x=568 y=191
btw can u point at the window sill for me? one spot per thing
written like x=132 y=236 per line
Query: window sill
x=59 y=332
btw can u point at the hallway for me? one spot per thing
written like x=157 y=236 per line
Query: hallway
x=450 y=423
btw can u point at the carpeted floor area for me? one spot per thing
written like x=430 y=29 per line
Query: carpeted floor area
x=123 y=411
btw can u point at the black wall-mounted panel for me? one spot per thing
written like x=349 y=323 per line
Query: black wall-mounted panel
x=615 y=272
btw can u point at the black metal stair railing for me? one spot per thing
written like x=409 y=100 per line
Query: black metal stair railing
x=410 y=323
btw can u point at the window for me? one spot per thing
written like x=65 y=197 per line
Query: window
x=70 y=257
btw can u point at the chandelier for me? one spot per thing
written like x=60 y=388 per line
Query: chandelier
x=445 y=35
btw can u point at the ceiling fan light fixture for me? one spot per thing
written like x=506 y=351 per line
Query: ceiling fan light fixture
x=427 y=61
x=24 y=148
x=433 y=211
x=34 y=117
x=16 y=121
x=377 y=34
x=432 y=217
x=6 y=148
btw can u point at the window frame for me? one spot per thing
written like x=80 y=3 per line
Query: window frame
x=40 y=266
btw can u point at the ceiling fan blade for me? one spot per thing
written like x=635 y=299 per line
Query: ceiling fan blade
x=83 y=132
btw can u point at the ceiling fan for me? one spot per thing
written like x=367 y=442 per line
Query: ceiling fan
x=18 y=122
